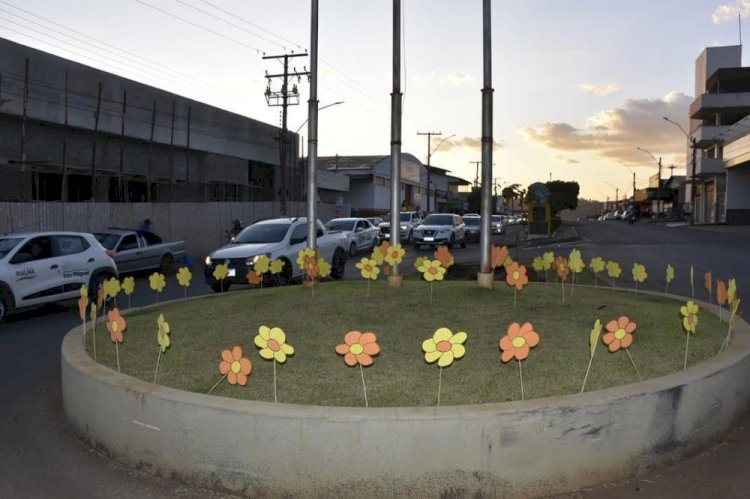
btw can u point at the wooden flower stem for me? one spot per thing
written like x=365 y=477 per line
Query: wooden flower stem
x=364 y=388
x=613 y=283
x=591 y=359
x=157 y=293
x=368 y=289
x=93 y=334
x=546 y=278
x=157 y=365
x=117 y=354
x=520 y=374
x=633 y=363
x=185 y=293
x=666 y=289
x=274 y=380
x=572 y=284
x=515 y=293
x=84 y=333
x=687 y=342
x=440 y=384
x=217 y=383
x=562 y=285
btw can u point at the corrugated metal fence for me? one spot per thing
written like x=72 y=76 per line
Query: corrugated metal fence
x=200 y=225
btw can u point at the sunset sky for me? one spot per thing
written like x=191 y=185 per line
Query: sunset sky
x=579 y=84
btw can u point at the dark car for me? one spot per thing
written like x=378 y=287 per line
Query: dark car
x=473 y=227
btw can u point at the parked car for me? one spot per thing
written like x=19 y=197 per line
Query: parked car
x=610 y=215
x=44 y=267
x=498 y=223
x=360 y=233
x=375 y=220
x=440 y=228
x=277 y=238
x=473 y=227
x=408 y=220
x=135 y=250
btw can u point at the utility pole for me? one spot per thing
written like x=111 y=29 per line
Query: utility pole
x=429 y=155
x=658 y=192
x=395 y=278
x=284 y=98
x=476 y=177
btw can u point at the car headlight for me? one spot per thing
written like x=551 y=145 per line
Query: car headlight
x=403 y=227
x=208 y=261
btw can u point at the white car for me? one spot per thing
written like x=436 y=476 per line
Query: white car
x=360 y=233
x=440 y=228
x=43 y=267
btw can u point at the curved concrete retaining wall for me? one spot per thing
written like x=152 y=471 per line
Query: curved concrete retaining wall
x=542 y=446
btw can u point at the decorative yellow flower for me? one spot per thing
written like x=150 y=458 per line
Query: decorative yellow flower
x=575 y=262
x=508 y=261
x=432 y=270
x=639 y=272
x=324 y=268
x=594 y=337
x=128 y=285
x=272 y=344
x=549 y=258
x=670 y=273
x=368 y=268
x=379 y=252
x=444 y=346
x=690 y=316
x=732 y=290
x=276 y=266
x=395 y=254
x=538 y=264
x=262 y=264
x=184 y=276
x=112 y=287
x=92 y=313
x=613 y=269
x=162 y=335
x=597 y=264
x=221 y=272
x=157 y=281
x=304 y=255
x=419 y=261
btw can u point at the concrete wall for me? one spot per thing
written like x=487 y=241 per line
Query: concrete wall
x=200 y=225
x=537 y=447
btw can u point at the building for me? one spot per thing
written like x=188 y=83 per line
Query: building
x=69 y=132
x=719 y=120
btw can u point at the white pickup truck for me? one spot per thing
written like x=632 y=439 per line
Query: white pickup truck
x=278 y=238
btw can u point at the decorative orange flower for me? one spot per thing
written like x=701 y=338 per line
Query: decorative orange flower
x=561 y=265
x=379 y=253
x=358 y=348
x=498 y=256
x=708 y=282
x=444 y=256
x=516 y=276
x=100 y=296
x=619 y=333
x=721 y=293
x=310 y=265
x=236 y=367
x=517 y=343
x=253 y=277
x=116 y=325
x=83 y=302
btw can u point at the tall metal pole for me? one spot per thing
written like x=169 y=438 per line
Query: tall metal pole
x=692 y=183
x=312 y=133
x=486 y=211
x=659 y=208
x=396 y=138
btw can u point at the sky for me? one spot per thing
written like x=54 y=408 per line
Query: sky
x=578 y=84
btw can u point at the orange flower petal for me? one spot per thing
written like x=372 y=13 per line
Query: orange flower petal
x=224 y=367
x=367 y=338
x=232 y=378
x=245 y=366
x=622 y=321
x=342 y=349
x=241 y=378
x=364 y=359
x=522 y=352
x=630 y=327
x=350 y=359
x=614 y=346
x=612 y=326
x=514 y=330
x=227 y=356
x=507 y=355
x=626 y=341
x=608 y=338
x=532 y=338
x=236 y=353
x=352 y=337
x=371 y=348
x=506 y=343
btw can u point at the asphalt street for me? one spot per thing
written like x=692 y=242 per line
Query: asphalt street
x=40 y=456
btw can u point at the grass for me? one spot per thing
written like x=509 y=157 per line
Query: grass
x=403 y=318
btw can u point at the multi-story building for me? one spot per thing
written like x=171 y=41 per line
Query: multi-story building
x=719 y=120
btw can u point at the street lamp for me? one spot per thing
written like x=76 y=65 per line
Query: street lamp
x=617 y=193
x=658 y=187
x=631 y=171
x=693 y=146
x=429 y=155
x=319 y=109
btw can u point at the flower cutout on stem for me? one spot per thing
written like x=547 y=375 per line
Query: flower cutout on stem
x=562 y=268
x=444 y=347
x=184 y=276
x=100 y=295
x=324 y=268
x=220 y=272
x=518 y=341
x=157 y=282
x=272 y=344
x=128 y=285
x=516 y=276
x=162 y=338
x=613 y=271
x=253 y=277
x=732 y=290
x=639 y=274
x=689 y=313
x=444 y=256
x=432 y=270
x=262 y=264
x=234 y=367
x=619 y=333
x=498 y=255
x=83 y=303
x=358 y=348
x=419 y=261
x=669 y=277
x=395 y=254
x=368 y=268
x=575 y=262
x=597 y=265
x=112 y=287
x=307 y=260
x=276 y=266
x=593 y=341
x=721 y=295
x=379 y=252
x=116 y=326
x=537 y=264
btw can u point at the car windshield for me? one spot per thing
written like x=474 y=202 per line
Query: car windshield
x=406 y=217
x=497 y=218
x=107 y=240
x=340 y=225
x=438 y=220
x=473 y=221
x=7 y=244
x=262 y=233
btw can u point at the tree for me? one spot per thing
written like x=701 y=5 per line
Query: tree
x=563 y=195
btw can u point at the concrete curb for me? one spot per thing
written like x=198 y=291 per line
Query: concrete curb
x=537 y=447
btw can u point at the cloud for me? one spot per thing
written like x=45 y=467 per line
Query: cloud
x=730 y=11
x=563 y=159
x=600 y=90
x=474 y=143
x=614 y=134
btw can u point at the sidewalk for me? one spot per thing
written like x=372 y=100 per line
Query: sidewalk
x=564 y=234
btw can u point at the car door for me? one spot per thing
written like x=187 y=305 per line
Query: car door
x=128 y=253
x=359 y=233
x=369 y=234
x=459 y=227
x=75 y=262
x=36 y=272
x=297 y=241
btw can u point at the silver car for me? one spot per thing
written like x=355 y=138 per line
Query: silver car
x=440 y=228
x=361 y=235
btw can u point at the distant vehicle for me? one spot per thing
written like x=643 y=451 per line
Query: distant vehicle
x=620 y=215
x=610 y=215
x=44 y=267
x=408 y=221
x=360 y=233
x=473 y=227
x=375 y=220
x=440 y=228
x=278 y=239
x=135 y=250
x=499 y=223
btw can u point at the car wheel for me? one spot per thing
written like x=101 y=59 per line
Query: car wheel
x=352 y=249
x=463 y=242
x=5 y=306
x=452 y=242
x=167 y=264
x=95 y=283
x=338 y=266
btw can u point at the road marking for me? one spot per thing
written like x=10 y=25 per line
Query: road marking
x=144 y=425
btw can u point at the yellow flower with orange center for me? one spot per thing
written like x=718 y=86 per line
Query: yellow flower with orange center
x=689 y=313
x=272 y=344
x=444 y=347
x=432 y=270
x=368 y=268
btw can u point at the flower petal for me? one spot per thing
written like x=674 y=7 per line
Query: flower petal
x=614 y=346
x=350 y=359
x=237 y=352
x=458 y=351
x=532 y=338
x=245 y=365
x=264 y=332
x=260 y=342
x=352 y=337
x=432 y=356
x=371 y=349
x=367 y=338
x=446 y=359
x=514 y=330
x=224 y=367
x=630 y=327
x=287 y=349
x=280 y=356
x=612 y=326
x=507 y=355
x=227 y=356
x=506 y=343
x=278 y=335
x=232 y=378
x=626 y=341
x=522 y=352
x=442 y=334
x=364 y=359
x=266 y=353
x=458 y=338
x=429 y=345
x=241 y=378
x=342 y=349
x=622 y=321
x=608 y=338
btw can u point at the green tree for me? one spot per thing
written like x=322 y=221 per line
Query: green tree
x=563 y=195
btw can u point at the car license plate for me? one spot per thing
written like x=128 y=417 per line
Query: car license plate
x=231 y=273
x=428 y=238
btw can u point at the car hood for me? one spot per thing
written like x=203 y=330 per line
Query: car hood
x=435 y=227
x=241 y=250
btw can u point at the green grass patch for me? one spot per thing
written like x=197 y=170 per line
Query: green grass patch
x=403 y=318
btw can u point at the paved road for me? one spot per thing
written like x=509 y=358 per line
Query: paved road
x=41 y=457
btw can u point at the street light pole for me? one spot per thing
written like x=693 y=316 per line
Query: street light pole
x=631 y=171
x=658 y=186
x=429 y=155
x=693 y=146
